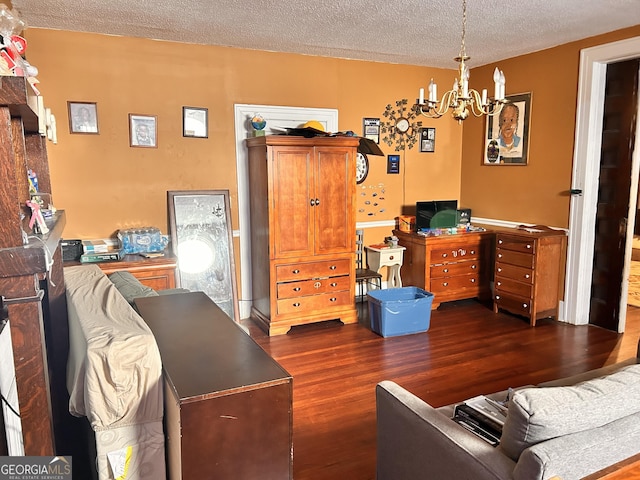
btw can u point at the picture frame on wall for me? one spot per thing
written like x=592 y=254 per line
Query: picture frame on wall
x=507 y=134
x=143 y=131
x=393 y=164
x=371 y=129
x=428 y=140
x=195 y=122
x=83 y=117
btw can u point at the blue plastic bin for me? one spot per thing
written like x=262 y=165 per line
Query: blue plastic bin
x=399 y=311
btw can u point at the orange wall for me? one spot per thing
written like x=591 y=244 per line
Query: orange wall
x=538 y=192
x=104 y=184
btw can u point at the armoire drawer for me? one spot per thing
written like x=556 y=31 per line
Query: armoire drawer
x=458 y=268
x=312 y=303
x=518 y=244
x=451 y=284
x=313 y=286
x=515 y=258
x=322 y=269
x=522 y=289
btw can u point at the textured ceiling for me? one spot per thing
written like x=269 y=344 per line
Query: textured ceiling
x=416 y=32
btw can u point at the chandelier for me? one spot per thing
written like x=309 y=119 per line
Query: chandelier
x=461 y=98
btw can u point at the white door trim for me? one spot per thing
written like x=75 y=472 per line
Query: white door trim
x=275 y=116
x=586 y=168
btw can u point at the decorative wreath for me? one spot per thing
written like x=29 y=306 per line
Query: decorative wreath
x=400 y=126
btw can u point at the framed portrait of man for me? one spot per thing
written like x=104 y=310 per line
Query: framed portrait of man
x=143 y=131
x=507 y=133
x=83 y=117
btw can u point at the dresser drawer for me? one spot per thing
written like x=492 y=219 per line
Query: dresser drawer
x=515 y=243
x=451 y=284
x=451 y=254
x=312 y=303
x=313 y=286
x=302 y=271
x=512 y=303
x=508 y=285
x=515 y=258
x=522 y=274
x=458 y=268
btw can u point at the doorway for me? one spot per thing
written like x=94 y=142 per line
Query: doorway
x=586 y=166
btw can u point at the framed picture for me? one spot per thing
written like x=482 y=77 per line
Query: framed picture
x=195 y=122
x=507 y=134
x=143 y=131
x=371 y=129
x=428 y=140
x=201 y=239
x=393 y=163
x=83 y=117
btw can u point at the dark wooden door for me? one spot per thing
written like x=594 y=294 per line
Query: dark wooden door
x=613 y=194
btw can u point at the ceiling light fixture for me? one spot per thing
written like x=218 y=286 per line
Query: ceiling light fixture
x=461 y=98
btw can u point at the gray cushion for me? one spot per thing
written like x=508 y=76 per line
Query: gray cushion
x=130 y=287
x=539 y=414
x=580 y=454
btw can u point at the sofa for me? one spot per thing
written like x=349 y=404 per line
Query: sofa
x=563 y=429
x=114 y=373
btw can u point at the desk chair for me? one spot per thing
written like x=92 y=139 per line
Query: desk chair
x=364 y=276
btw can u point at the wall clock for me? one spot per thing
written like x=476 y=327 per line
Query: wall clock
x=362 y=167
x=400 y=125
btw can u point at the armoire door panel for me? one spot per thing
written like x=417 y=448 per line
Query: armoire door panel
x=292 y=196
x=335 y=187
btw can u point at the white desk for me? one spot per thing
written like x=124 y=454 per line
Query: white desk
x=390 y=257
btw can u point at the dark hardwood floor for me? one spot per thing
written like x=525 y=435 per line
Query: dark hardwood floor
x=467 y=351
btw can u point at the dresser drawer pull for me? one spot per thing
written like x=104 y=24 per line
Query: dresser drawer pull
x=500 y=242
x=445 y=284
x=334 y=284
x=474 y=266
x=524 y=305
x=296 y=289
x=317 y=285
x=499 y=269
x=473 y=280
x=446 y=270
x=528 y=245
x=444 y=255
x=499 y=284
x=297 y=304
x=499 y=255
x=296 y=271
x=497 y=297
x=332 y=267
x=333 y=299
x=390 y=257
x=527 y=276
x=473 y=252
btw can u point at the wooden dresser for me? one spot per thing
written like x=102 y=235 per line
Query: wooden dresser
x=302 y=230
x=158 y=273
x=452 y=267
x=228 y=404
x=528 y=266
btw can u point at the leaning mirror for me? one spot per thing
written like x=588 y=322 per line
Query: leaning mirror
x=201 y=239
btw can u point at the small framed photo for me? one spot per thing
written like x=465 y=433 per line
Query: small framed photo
x=143 y=131
x=195 y=122
x=507 y=137
x=371 y=129
x=393 y=163
x=428 y=140
x=83 y=117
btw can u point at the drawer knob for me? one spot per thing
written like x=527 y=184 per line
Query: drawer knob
x=297 y=304
x=473 y=280
x=473 y=252
x=528 y=245
x=497 y=297
x=499 y=284
x=332 y=267
x=444 y=255
x=474 y=266
x=499 y=255
x=525 y=305
x=500 y=242
x=527 y=276
x=334 y=284
x=445 y=284
x=296 y=289
x=333 y=299
x=499 y=269
x=446 y=270
x=390 y=257
x=317 y=285
x=295 y=271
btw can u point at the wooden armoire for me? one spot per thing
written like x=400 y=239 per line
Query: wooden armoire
x=303 y=226
x=31 y=278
